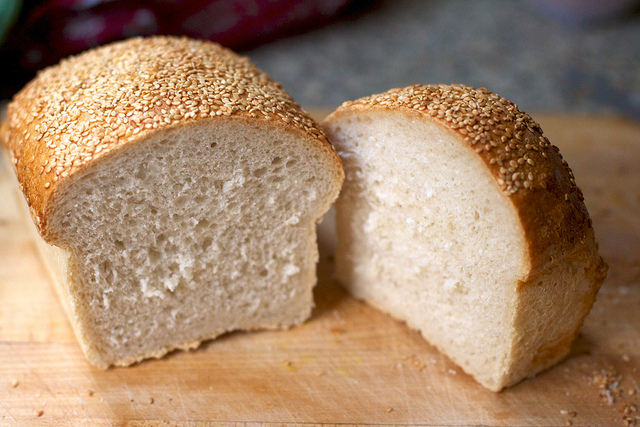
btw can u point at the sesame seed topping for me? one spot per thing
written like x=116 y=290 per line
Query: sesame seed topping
x=506 y=135
x=87 y=105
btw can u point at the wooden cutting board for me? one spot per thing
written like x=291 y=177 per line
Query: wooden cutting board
x=349 y=363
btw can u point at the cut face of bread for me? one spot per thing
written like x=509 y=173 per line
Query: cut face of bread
x=427 y=234
x=190 y=234
x=177 y=189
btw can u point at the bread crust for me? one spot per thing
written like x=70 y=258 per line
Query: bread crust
x=527 y=168
x=89 y=106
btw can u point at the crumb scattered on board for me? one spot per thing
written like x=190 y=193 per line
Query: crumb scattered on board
x=570 y=414
x=608 y=383
x=610 y=390
x=415 y=362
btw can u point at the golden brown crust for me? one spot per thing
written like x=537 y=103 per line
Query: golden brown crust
x=76 y=112
x=4 y=135
x=528 y=169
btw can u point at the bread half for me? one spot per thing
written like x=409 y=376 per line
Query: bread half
x=458 y=216
x=177 y=188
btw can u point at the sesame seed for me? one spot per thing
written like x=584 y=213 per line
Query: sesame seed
x=500 y=130
x=90 y=104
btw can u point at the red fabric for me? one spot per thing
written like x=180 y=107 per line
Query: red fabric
x=48 y=31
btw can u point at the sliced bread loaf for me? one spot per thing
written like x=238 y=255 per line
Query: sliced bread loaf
x=458 y=216
x=177 y=188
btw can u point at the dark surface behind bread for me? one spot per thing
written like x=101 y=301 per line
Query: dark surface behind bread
x=511 y=47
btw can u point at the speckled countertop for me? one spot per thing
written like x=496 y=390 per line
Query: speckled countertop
x=507 y=46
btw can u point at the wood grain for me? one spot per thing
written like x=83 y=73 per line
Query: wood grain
x=349 y=363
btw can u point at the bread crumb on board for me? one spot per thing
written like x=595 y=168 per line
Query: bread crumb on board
x=612 y=391
x=15 y=383
x=608 y=383
x=629 y=414
x=415 y=362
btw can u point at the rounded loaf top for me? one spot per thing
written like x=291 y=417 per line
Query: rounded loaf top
x=508 y=139
x=85 y=106
x=527 y=168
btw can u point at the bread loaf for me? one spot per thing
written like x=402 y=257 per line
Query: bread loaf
x=458 y=216
x=177 y=188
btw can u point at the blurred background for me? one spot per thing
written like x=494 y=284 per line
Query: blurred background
x=567 y=56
